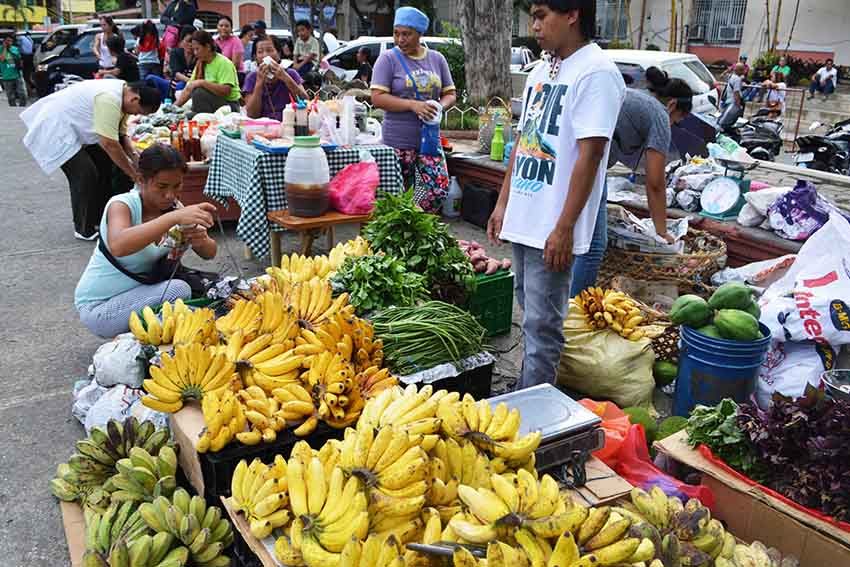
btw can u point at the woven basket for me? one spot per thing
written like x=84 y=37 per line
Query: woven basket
x=704 y=255
x=496 y=111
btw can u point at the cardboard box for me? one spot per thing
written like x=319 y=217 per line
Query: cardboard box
x=186 y=425
x=603 y=485
x=75 y=531
x=752 y=514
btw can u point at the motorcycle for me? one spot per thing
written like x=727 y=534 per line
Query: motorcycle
x=761 y=135
x=830 y=152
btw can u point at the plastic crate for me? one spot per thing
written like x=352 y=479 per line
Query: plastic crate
x=241 y=554
x=493 y=302
x=477 y=382
x=217 y=468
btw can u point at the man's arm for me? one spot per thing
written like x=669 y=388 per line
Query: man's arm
x=497 y=217
x=558 y=251
x=119 y=156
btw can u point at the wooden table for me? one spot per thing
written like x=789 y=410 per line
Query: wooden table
x=309 y=227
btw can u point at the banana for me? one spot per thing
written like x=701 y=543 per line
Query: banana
x=297 y=487
x=474 y=533
x=553 y=526
x=532 y=547
x=565 y=552
x=483 y=503
x=461 y=557
x=608 y=534
x=644 y=552
x=617 y=552
x=593 y=524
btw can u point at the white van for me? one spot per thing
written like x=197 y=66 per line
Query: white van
x=343 y=61
x=633 y=64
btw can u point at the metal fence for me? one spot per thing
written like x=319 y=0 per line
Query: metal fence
x=612 y=19
x=717 y=21
x=787 y=105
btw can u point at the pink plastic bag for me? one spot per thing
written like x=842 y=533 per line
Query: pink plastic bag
x=352 y=190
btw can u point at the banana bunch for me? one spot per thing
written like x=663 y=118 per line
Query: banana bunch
x=268 y=365
x=412 y=408
x=367 y=351
x=372 y=381
x=356 y=247
x=313 y=303
x=610 y=308
x=107 y=531
x=199 y=528
x=154 y=332
x=495 y=431
x=297 y=408
x=198 y=326
x=337 y=398
x=141 y=477
x=393 y=466
x=431 y=533
x=260 y=491
x=453 y=464
x=296 y=268
x=755 y=555
x=187 y=375
x=268 y=312
x=244 y=316
x=328 y=510
x=85 y=473
x=379 y=551
x=224 y=419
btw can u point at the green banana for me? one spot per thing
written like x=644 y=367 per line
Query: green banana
x=200 y=542
x=131 y=424
x=221 y=530
x=145 y=430
x=91 y=531
x=127 y=496
x=166 y=461
x=160 y=545
x=212 y=551
x=92 y=558
x=115 y=431
x=212 y=517
x=156 y=441
x=144 y=477
x=165 y=486
x=198 y=508
x=124 y=512
x=181 y=499
x=104 y=528
x=189 y=528
x=63 y=490
x=140 y=550
x=141 y=458
x=119 y=556
x=89 y=449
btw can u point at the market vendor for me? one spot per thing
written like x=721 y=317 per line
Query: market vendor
x=214 y=82
x=229 y=45
x=641 y=142
x=413 y=84
x=553 y=187
x=132 y=228
x=181 y=63
x=81 y=130
x=267 y=97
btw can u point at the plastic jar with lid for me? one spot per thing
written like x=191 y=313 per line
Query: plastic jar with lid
x=306 y=176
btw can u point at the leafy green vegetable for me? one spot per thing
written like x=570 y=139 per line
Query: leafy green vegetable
x=717 y=427
x=425 y=246
x=378 y=281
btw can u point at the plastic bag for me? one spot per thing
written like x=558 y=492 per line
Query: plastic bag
x=810 y=302
x=615 y=423
x=352 y=190
x=85 y=398
x=120 y=362
x=604 y=365
x=788 y=367
x=749 y=216
x=115 y=403
x=143 y=413
x=799 y=213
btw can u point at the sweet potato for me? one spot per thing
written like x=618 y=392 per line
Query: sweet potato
x=506 y=264
x=478 y=255
x=492 y=266
x=479 y=266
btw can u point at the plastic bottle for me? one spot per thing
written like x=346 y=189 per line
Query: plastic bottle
x=497 y=145
x=287 y=125
x=509 y=148
x=306 y=176
x=451 y=206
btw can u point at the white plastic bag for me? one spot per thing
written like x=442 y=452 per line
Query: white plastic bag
x=749 y=216
x=810 y=302
x=85 y=398
x=115 y=403
x=120 y=362
x=762 y=200
x=789 y=366
x=143 y=413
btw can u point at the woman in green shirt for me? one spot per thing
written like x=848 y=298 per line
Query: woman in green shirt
x=214 y=82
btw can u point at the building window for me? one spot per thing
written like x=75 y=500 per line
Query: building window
x=717 y=22
x=612 y=20
x=515 y=23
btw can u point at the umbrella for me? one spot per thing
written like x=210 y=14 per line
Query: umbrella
x=692 y=135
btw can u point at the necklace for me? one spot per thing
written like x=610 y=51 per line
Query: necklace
x=554 y=64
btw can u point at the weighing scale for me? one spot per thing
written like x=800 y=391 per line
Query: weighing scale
x=723 y=197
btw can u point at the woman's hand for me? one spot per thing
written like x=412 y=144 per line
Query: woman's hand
x=423 y=110
x=200 y=214
x=195 y=235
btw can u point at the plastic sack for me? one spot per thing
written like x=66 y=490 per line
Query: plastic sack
x=352 y=190
x=615 y=424
x=84 y=398
x=143 y=413
x=120 y=362
x=789 y=367
x=749 y=216
x=756 y=274
x=115 y=403
x=810 y=302
x=604 y=365
x=799 y=213
x=634 y=465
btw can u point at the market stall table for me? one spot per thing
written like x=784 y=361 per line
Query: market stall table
x=308 y=227
x=255 y=180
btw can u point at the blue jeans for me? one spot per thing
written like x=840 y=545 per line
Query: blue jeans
x=586 y=266
x=164 y=85
x=544 y=297
x=826 y=89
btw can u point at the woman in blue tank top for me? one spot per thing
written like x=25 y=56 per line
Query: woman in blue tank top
x=132 y=227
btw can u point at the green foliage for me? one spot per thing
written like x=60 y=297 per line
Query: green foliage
x=456 y=58
x=106 y=5
x=801 y=69
x=717 y=427
x=378 y=281
x=17 y=10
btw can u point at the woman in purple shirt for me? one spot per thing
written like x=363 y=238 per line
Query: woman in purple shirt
x=264 y=96
x=393 y=91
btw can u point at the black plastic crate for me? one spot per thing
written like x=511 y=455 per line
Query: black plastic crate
x=477 y=382
x=477 y=204
x=241 y=554
x=217 y=468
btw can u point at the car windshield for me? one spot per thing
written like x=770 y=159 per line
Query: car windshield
x=693 y=73
x=516 y=57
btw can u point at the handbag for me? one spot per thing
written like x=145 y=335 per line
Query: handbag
x=163 y=270
x=429 y=139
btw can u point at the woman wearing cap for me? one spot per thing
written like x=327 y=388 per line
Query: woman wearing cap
x=408 y=104
x=641 y=141
x=214 y=82
x=272 y=86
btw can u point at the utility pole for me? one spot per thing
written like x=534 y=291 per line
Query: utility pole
x=767 y=22
x=672 y=40
x=642 y=20
x=775 y=41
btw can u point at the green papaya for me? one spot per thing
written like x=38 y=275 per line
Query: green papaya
x=641 y=415
x=690 y=310
x=737 y=325
x=671 y=425
x=664 y=372
x=753 y=309
x=709 y=331
x=731 y=295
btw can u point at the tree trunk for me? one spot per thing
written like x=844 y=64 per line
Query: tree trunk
x=486 y=31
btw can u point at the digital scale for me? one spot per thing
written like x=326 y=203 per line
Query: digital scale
x=723 y=197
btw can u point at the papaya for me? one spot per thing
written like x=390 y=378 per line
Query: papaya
x=641 y=415
x=671 y=425
x=731 y=295
x=690 y=310
x=709 y=331
x=753 y=309
x=664 y=372
x=737 y=325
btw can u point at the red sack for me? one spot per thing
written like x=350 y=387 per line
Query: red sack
x=616 y=425
x=352 y=190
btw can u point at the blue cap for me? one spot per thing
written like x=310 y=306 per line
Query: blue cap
x=410 y=17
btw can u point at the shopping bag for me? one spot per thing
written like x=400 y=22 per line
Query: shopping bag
x=615 y=424
x=352 y=190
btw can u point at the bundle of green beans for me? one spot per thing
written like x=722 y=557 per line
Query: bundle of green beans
x=425 y=335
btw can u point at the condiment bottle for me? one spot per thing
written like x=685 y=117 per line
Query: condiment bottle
x=497 y=145
x=287 y=125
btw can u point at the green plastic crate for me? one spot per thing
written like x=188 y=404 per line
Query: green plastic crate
x=493 y=302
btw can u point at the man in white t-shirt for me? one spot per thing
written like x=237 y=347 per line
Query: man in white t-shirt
x=552 y=192
x=824 y=80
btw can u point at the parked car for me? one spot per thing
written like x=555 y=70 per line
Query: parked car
x=343 y=60
x=633 y=64
x=77 y=58
x=57 y=39
x=520 y=57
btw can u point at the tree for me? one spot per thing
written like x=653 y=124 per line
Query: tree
x=18 y=10
x=106 y=5
x=486 y=29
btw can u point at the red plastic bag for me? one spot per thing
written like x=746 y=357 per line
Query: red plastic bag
x=352 y=190
x=616 y=425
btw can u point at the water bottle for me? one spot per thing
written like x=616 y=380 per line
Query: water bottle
x=497 y=145
x=509 y=148
x=451 y=206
